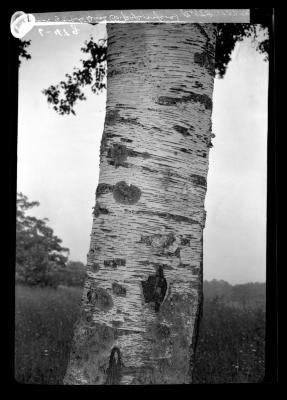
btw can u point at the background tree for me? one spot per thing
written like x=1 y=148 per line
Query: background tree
x=39 y=252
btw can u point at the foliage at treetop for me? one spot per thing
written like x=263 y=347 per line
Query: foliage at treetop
x=227 y=37
x=38 y=251
x=22 y=52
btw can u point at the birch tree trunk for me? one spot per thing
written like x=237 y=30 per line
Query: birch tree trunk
x=143 y=292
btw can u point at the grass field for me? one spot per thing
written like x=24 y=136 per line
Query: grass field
x=230 y=346
x=44 y=321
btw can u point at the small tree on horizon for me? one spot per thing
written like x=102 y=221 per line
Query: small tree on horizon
x=39 y=252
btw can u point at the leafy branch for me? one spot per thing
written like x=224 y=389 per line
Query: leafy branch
x=65 y=95
x=22 y=50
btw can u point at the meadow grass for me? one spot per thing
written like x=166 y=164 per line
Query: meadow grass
x=230 y=344
x=44 y=320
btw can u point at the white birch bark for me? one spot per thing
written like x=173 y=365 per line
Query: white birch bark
x=149 y=214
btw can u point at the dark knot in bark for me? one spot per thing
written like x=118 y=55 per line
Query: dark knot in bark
x=154 y=288
x=114 y=372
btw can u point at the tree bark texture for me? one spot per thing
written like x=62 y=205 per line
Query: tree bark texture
x=143 y=292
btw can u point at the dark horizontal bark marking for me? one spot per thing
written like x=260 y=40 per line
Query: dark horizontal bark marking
x=117 y=323
x=198 y=84
x=119 y=290
x=126 y=194
x=95 y=267
x=182 y=265
x=126 y=140
x=198 y=180
x=145 y=155
x=167 y=216
x=173 y=254
x=118 y=154
x=134 y=153
x=185 y=241
x=125 y=107
x=98 y=210
x=115 y=262
x=188 y=151
x=111 y=135
x=201 y=154
x=100 y=298
x=158 y=240
x=182 y=130
x=104 y=188
x=124 y=164
x=149 y=169
x=113 y=117
x=200 y=98
x=205 y=60
x=125 y=332
x=115 y=72
x=155 y=265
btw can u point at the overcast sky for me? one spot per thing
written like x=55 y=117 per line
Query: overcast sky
x=58 y=156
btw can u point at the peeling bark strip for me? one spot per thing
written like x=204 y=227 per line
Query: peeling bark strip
x=142 y=297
